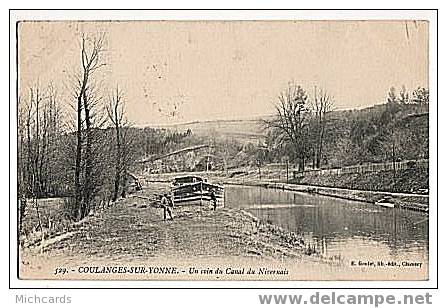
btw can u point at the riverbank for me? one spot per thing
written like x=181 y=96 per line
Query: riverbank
x=132 y=230
x=132 y=234
x=411 y=180
x=411 y=201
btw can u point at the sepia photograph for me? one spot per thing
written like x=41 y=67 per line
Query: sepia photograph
x=223 y=150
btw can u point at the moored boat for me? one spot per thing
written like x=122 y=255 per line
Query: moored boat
x=386 y=202
x=194 y=190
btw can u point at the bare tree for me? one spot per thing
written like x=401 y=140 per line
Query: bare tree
x=26 y=155
x=29 y=119
x=36 y=100
x=291 y=119
x=116 y=114
x=91 y=60
x=54 y=129
x=22 y=111
x=322 y=105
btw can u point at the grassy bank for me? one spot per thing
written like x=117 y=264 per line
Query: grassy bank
x=133 y=229
x=404 y=181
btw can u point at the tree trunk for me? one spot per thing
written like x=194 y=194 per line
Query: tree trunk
x=394 y=164
x=318 y=162
x=43 y=156
x=118 y=166
x=21 y=188
x=300 y=153
x=124 y=184
x=29 y=158
x=36 y=158
x=302 y=162
x=117 y=179
x=88 y=161
x=78 y=197
x=117 y=184
x=320 y=144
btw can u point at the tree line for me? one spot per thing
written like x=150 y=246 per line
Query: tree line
x=69 y=154
x=309 y=130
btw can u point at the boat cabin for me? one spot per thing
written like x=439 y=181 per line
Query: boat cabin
x=185 y=180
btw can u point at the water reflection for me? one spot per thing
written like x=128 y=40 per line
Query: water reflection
x=336 y=226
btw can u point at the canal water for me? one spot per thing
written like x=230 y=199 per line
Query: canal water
x=336 y=227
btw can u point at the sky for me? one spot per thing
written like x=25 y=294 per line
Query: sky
x=182 y=71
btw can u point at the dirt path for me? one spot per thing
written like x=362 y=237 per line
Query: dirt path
x=133 y=233
x=132 y=230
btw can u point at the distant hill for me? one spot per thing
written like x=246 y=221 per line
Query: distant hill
x=243 y=130
x=253 y=130
x=352 y=137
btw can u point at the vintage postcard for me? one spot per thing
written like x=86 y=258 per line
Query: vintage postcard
x=216 y=150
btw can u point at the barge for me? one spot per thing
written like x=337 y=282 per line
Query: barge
x=194 y=190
